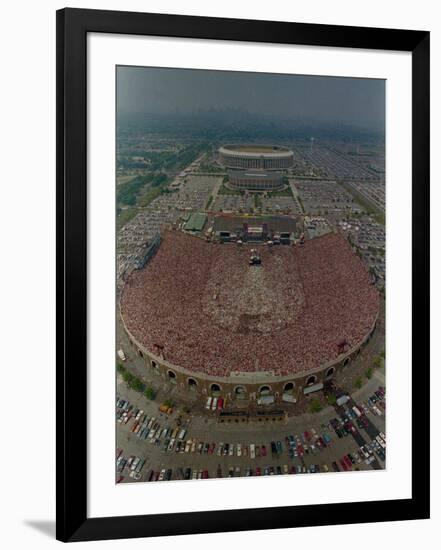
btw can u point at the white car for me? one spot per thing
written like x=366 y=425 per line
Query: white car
x=364 y=452
x=231 y=450
x=252 y=451
x=239 y=449
x=220 y=449
x=208 y=405
x=214 y=404
x=151 y=422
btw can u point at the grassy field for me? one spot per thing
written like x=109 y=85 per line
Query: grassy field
x=150 y=196
x=224 y=190
x=287 y=192
x=125 y=216
x=370 y=208
x=124 y=179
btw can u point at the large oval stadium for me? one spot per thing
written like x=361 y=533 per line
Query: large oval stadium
x=204 y=317
x=257 y=157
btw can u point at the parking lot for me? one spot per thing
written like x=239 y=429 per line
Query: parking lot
x=156 y=446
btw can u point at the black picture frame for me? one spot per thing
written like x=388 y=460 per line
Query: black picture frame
x=71 y=510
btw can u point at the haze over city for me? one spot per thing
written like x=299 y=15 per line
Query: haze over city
x=316 y=99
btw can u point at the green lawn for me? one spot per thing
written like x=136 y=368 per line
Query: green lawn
x=125 y=216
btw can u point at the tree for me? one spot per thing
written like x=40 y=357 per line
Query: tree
x=149 y=393
x=315 y=405
x=120 y=368
x=331 y=399
x=369 y=373
x=128 y=378
x=358 y=382
x=138 y=385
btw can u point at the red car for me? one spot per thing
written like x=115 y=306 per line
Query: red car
x=258 y=473
x=307 y=436
x=343 y=464
x=350 y=427
x=220 y=403
x=211 y=448
x=348 y=462
x=263 y=450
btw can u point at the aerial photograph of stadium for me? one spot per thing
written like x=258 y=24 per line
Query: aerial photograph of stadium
x=250 y=274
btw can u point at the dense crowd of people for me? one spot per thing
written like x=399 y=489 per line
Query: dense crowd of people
x=201 y=305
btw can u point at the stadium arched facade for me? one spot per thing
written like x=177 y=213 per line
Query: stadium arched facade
x=289 y=388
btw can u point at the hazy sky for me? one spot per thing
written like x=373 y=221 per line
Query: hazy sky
x=329 y=99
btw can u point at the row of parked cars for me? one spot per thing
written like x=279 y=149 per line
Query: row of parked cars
x=365 y=452
x=307 y=442
x=133 y=465
x=377 y=402
x=236 y=471
x=344 y=427
x=145 y=427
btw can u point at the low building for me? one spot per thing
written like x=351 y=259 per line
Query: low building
x=196 y=222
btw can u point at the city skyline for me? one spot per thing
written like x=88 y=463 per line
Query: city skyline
x=318 y=99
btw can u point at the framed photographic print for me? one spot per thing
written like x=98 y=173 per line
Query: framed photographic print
x=242 y=275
